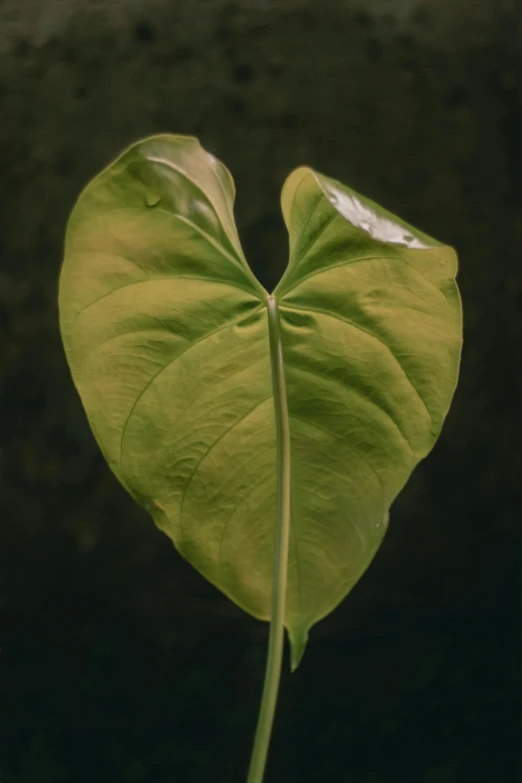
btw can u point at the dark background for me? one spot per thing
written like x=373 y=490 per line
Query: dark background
x=118 y=662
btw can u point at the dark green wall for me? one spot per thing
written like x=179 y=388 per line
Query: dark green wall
x=117 y=662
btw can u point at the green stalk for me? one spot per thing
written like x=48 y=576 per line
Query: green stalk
x=282 y=534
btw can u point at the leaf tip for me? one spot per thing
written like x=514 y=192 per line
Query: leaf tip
x=298 y=641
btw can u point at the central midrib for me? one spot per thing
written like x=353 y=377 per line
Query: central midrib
x=281 y=545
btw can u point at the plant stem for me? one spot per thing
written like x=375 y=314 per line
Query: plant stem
x=282 y=534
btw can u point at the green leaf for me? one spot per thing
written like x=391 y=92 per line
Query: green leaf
x=165 y=329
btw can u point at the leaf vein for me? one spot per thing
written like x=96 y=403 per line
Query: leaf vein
x=210 y=449
x=229 y=479
x=169 y=364
x=198 y=396
x=330 y=379
x=345 y=442
x=154 y=279
x=380 y=257
x=320 y=231
x=343 y=319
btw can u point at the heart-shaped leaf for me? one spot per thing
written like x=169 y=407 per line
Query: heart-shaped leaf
x=166 y=332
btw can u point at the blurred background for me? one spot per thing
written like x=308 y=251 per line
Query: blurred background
x=118 y=662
